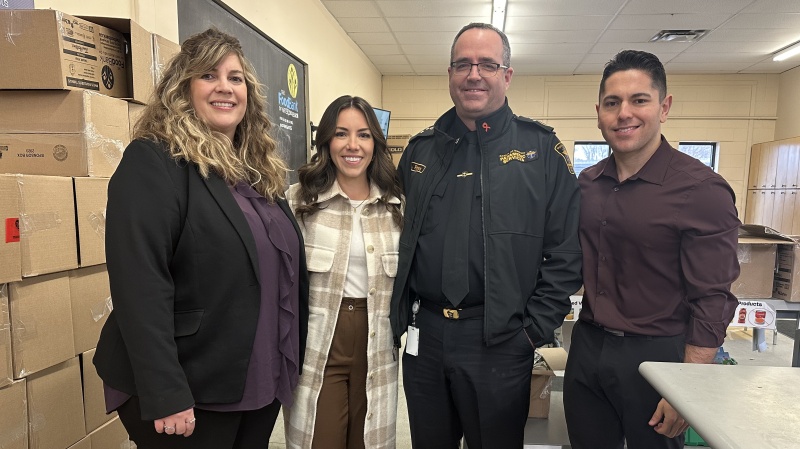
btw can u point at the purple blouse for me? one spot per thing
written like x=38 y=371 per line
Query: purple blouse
x=274 y=363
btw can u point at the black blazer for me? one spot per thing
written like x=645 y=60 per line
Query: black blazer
x=184 y=276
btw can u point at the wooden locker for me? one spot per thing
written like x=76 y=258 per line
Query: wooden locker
x=755 y=163
x=788 y=212
x=781 y=172
x=776 y=221
x=769 y=204
x=750 y=208
x=758 y=207
x=763 y=166
x=772 y=170
x=792 y=166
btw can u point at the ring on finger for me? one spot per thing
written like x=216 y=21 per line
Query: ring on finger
x=168 y=428
x=191 y=420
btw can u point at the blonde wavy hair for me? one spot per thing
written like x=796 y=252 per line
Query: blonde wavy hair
x=171 y=119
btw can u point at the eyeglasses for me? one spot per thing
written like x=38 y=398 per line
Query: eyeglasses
x=485 y=69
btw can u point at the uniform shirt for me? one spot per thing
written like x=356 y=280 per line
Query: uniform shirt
x=426 y=275
x=659 y=249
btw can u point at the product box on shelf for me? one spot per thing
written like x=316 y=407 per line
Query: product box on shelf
x=62 y=133
x=111 y=435
x=163 y=51
x=47 y=49
x=10 y=249
x=787 y=276
x=6 y=364
x=41 y=323
x=757 y=250
x=542 y=379
x=55 y=406
x=91 y=196
x=90 y=296
x=94 y=404
x=14 y=416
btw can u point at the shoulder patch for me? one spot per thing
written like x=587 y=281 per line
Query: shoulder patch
x=424 y=133
x=535 y=122
x=562 y=150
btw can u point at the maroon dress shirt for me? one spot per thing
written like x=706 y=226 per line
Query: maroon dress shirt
x=659 y=248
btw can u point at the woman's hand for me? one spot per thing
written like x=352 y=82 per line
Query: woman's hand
x=178 y=424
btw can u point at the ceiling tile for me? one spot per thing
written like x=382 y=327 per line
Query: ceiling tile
x=453 y=24
x=522 y=60
x=773 y=20
x=371 y=50
x=705 y=67
x=682 y=6
x=438 y=59
x=552 y=37
x=372 y=38
x=393 y=69
x=365 y=25
x=765 y=6
x=426 y=37
x=430 y=69
x=603 y=58
x=514 y=24
x=669 y=21
x=545 y=69
x=427 y=49
x=349 y=8
x=773 y=66
x=734 y=47
x=482 y=8
x=746 y=58
x=562 y=8
x=549 y=49
x=753 y=35
x=590 y=69
x=629 y=35
x=651 y=47
x=388 y=59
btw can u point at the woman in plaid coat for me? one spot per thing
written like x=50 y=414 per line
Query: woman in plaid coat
x=349 y=207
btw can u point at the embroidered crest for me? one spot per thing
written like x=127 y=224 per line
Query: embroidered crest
x=516 y=155
x=560 y=149
x=417 y=167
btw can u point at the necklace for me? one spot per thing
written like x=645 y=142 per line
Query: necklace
x=359 y=204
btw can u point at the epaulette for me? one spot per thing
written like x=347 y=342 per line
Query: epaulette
x=530 y=120
x=424 y=133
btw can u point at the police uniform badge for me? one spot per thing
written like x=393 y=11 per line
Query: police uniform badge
x=416 y=167
x=519 y=156
x=560 y=149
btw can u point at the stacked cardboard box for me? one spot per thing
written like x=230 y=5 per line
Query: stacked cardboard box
x=73 y=84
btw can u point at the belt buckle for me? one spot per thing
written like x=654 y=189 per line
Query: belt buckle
x=450 y=313
x=614 y=332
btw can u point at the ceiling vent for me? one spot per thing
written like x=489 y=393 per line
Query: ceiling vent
x=679 y=36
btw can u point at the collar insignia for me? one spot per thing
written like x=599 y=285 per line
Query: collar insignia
x=516 y=155
x=463 y=174
x=417 y=167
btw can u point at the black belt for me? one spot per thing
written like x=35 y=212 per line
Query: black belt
x=452 y=314
x=616 y=332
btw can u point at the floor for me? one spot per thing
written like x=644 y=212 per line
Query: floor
x=738 y=343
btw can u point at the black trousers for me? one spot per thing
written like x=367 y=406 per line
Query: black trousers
x=606 y=400
x=458 y=386
x=213 y=430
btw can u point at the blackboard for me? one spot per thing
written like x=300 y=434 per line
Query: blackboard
x=283 y=74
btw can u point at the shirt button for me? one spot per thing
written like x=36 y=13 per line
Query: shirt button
x=370 y=249
x=371 y=334
x=350 y=307
x=372 y=291
x=604 y=222
x=616 y=189
x=369 y=416
x=365 y=211
x=603 y=258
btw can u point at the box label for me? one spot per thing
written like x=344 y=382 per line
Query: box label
x=12 y=230
x=83 y=84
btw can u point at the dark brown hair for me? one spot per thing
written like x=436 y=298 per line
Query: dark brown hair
x=318 y=175
x=637 y=60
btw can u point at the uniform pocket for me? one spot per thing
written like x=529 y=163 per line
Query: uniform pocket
x=435 y=213
x=390 y=262
x=319 y=259
x=188 y=322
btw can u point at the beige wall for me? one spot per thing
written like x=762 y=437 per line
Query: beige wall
x=734 y=110
x=336 y=66
x=788 y=124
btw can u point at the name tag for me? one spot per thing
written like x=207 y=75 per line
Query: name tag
x=412 y=341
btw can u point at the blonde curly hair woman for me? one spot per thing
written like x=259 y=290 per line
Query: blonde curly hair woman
x=205 y=262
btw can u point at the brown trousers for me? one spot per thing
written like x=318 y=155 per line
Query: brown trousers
x=342 y=403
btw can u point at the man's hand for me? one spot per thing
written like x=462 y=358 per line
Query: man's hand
x=178 y=424
x=673 y=423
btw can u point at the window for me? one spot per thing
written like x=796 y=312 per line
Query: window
x=706 y=152
x=587 y=154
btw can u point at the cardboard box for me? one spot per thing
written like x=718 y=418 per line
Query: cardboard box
x=94 y=403
x=542 y=380
x=787 y=276
x=6 y=366
x=46 y=211
x=41 y=323
x=14 y=416
x=62 y=133
x=52 y=50
x=163 y=52
x=90 y=296
x=55 y=406
x=757 y=252
x=85 y=443
x=91 y=196
x=135 y=111
x=111 y=436
x=10 y=249
x=139 y=58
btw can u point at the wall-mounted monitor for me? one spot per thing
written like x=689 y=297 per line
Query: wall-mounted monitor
x=383 y=119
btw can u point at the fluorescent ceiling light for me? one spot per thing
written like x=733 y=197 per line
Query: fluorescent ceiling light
x=788 y=52
x=499 y=14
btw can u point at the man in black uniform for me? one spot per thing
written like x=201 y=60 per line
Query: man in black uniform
x=488 y=256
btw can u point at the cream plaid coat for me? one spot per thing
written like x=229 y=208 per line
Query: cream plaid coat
x=327 y=244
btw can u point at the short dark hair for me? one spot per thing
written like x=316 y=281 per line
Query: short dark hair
x=637 y=60
x=485 y=26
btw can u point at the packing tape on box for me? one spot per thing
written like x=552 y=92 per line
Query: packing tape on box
x=743 y=253
x=111 y=149
x=5 y=320
x=16 y=23
x=37 y=422
x=97 y=220
x=101 y=309
x=156 y=68
x=547 y=387
x=20 y=333
x=127 y=444
x=30 y=224
x=18 y=434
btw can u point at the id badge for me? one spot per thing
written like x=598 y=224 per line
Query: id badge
x=412 y=341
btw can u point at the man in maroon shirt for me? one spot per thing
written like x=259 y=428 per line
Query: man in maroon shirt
x=658 y=231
